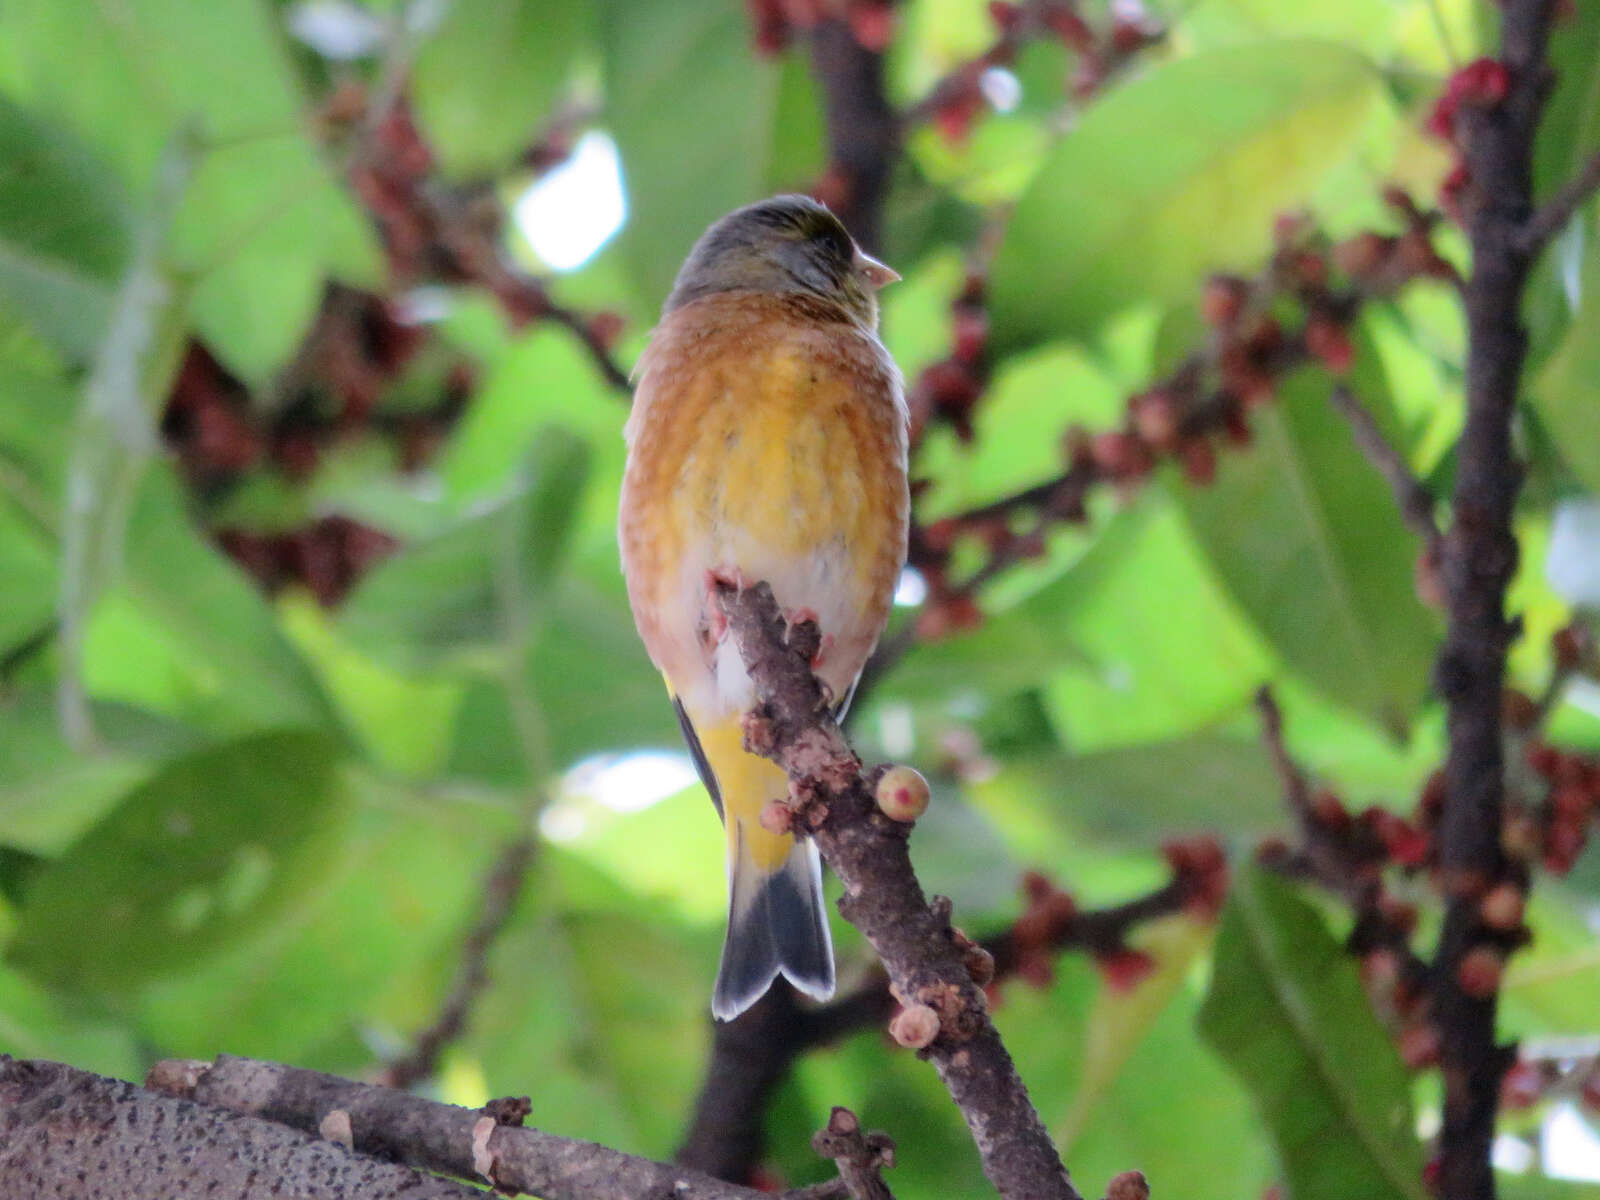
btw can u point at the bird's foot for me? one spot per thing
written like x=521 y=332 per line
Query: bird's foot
x=799 y=616
x=716 y=623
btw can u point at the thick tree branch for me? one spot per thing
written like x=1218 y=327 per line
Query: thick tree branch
x=868 y=852
x=487 y=1144
x=69 y=1134
x=1552 y=218
x=863 y=134
x=1480 y=558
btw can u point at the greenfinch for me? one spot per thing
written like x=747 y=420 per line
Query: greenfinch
x=767 y=442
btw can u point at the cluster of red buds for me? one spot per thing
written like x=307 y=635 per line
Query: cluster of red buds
x=355 y=349
x=1532 y=1080
x=1253 y=343
x=958 y=100
x=326 y=556
x=1481 y=85
x=361 y=344
x=1052 y=920
x=777 y=22
x=1555 y=829
x=1553 y=800
x=1301 y=308
x=949 y=389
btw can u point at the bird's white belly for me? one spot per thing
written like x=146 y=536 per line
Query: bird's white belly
x=822 y=580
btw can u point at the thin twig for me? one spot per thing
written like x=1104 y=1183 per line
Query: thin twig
x=1552 y=217
x=501 y=888
x=1415 y=502
x=1337 y=854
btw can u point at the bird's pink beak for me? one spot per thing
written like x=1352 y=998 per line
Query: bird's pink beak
x=873 y=271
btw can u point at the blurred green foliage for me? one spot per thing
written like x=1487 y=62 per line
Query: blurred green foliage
x=264 y=829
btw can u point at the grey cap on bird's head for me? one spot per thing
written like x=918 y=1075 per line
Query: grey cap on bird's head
x=787 y=244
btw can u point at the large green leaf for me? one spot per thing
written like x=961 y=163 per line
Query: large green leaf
x=1150 y=669
x=1225 y=141
x=1307 y=538
x=484 y=81
x=473 y=593
x=1569 y=132
x=364 y=950
x=1118 y=663
x=599 y=1004
x=207 y=849
x=692 y=110
x=183 y=632
x=63 y=231
x=263 y=222
x=1566 y=390
x=1288 y=1012
x=33 y=437
x=1172 y=1110
x=50 y=791
x=36 y=1024
x=1136 y=794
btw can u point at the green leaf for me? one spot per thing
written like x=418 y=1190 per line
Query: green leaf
x=63 y=231
x=1569 y=133
x=1140 y=793
x=1118 y=663
x=1151 y=670
x=692 y=110
x=1569 y=128
x=263 y=222
x=342 y=960
x=1566 y=390
x=36 y=1024
x=468 y=594
x=484 y=82
x=185 y=633
x=1550 y=986
x=51 y=792
x=1307 y=538
x=592 y=678
x=1243 y=133
x=210 y=847
x=1120 y=1019
x=1288 y=1012
x=1172 y=1110
x=618 y=1040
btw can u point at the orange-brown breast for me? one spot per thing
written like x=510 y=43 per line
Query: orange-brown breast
x=770 y=440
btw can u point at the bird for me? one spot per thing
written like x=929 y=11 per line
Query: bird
x=767 y=441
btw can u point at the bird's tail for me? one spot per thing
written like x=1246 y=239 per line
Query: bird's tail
x=776 y=925
x=776 y=920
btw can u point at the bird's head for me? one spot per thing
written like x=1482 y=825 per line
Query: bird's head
x=787 y=245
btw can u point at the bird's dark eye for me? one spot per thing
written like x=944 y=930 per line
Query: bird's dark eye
x=836 y=241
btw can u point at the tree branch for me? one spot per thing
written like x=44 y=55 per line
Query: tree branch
x=868 y=852
x=1480 y=558
x=486 y=1144
x=863 y=135
x=70 y=1133
x=1552 y=218
x=752 y=1054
